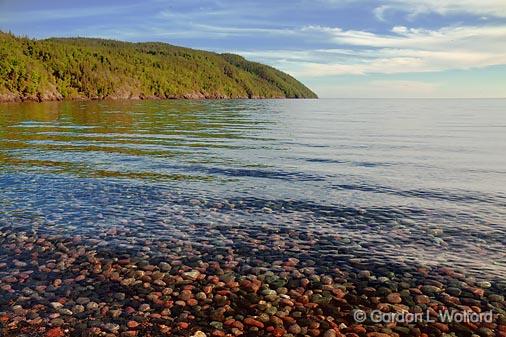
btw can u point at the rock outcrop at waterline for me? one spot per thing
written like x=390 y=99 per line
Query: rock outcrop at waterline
x=83 y=68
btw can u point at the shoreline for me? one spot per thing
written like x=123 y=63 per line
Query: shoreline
x=31 y=99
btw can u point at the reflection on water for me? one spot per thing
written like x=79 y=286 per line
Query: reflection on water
x=409 y=181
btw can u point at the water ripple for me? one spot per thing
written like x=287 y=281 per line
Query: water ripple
x=392 y=183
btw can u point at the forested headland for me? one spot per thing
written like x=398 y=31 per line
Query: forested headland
x=84 y=68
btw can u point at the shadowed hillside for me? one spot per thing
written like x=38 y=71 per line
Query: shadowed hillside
x=82 y=68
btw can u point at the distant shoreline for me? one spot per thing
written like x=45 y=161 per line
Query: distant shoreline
x=189 y=97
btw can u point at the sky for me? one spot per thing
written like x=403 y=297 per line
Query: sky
x=339 y=48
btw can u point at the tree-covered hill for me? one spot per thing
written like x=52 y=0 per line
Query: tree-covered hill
x=81 y=68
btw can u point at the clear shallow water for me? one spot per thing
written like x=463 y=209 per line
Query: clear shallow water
x=387 y=182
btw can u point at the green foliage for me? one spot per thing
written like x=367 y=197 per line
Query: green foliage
x=289 y=85
x=96 y=68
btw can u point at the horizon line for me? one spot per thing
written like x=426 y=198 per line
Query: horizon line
x=469 y=98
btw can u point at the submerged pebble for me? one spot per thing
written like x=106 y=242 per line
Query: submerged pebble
x=78 y=287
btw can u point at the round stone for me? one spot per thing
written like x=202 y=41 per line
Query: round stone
x=394 y=298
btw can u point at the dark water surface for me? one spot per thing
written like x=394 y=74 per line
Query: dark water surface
x=390 y=182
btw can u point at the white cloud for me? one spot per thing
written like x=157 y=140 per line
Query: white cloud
x=379 y=12
x=414 y=8
x=496 y=8
x=404 y=50
x=468 y=37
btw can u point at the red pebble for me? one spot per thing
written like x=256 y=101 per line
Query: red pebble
x=359 y=329
x=183 y=325
x=55 y=332
x=253 y=322
x=238 y=325
x=278 y=332
x=132 y=324
x=478 y=292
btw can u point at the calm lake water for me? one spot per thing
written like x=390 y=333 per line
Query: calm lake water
x=388 y=182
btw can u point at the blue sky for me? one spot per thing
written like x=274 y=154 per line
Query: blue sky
x=339 y=48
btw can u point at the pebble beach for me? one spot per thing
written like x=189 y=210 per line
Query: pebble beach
x=71 y=286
